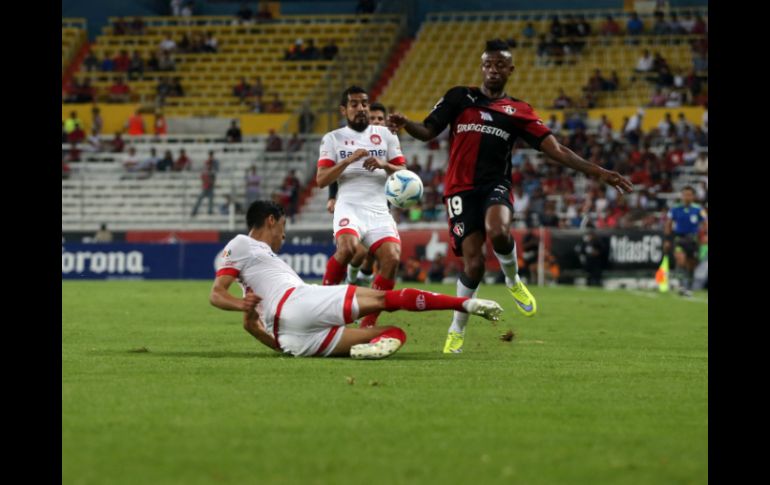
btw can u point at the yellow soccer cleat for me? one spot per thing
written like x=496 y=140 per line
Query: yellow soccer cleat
x=525 y=302
x=454 y=343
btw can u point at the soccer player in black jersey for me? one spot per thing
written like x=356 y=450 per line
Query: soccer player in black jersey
x=485 y=122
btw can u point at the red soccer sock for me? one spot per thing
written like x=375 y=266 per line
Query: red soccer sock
x=335 y=272
x=415 y=300
x=392 y=332
x=380 y=283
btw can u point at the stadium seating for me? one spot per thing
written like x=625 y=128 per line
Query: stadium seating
x=73 y=34
x=248 y=51
x=447 y=49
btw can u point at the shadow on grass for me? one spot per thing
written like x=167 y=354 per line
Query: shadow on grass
x=186 y=354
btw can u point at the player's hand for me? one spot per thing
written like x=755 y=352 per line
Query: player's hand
x=666 y=246
x=373 y=163
x=330 y=205
x=616 y=180
x=250 y=302
x=396 y=121
x=358 y=154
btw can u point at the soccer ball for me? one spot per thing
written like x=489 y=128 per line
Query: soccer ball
x=403 y=189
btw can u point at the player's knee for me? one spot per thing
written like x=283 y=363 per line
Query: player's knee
x=474 y=268
x=389 y=257
x=499 y=236
x=346 y=250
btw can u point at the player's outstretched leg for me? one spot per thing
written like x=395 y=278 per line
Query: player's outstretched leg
x=371 y=301
x=370 y=343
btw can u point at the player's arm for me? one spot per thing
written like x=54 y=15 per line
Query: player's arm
x=253 y=324
x=563 y=155
x=221 y=298
x=373 y=163
x=333 y=188
x=327 y=175
x=420 y=131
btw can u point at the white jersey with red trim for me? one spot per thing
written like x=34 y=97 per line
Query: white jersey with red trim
x=259 y=269
x=357 y=185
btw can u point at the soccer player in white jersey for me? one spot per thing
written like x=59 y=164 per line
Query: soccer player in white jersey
x=360 y=156
x=309 y=320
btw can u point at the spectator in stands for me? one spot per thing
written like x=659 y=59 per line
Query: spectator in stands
x=242 y=89
x=556 y=29
x=120 y=27
x=264 y=14
x=295 y=52
x=543 y=47
x=438 y=269
x=166 y=164
x=605 y=129
x=211 y=163
x=576 y=124
x=274 y=142
x=276 y=105
x=233 y=134
x=645 y=63
x=610 y=27
x=130 y=161
x=687 y=23
x=91 y=63
x=122 y=62
x=135 y=124
x=583 y=27
x=119 y=92
x=118 y=143
x=658 y=98
x=257 y=106
x=147 y=167
x=699 y=27
x=176 y=87
x=208 y=182
x=666 y=126
x=167 y=45
x=72 y=122
x=633 y=129
x=160 y=127
x=97 y=123
x=634 y=26
x=107 y=64
x=665 y=77
x=71 y=91
x=330 y=50
x=412 y=271
x=311 y=52
x=153 y=63
x=562 y=101
x=553 y=124
x=701 y=165
x=244 y=14
x=529 y=34
x=176 y=8
x=163 y=90
x=183 y=162
x=137 y=26
x=660 y=26
x=103 y=235
x=290 y=189
x=595 y=82
x=187 y=9
x=294 y=144
x=257 y=89
x=86 y=93
x=700 y=63
x=136 y=66
x=675 y=26
x=210 y=44
x=253 y=185
x=592 y=253
x=184 y=45
x=77 y=135
x=306 y=119
x=674 y=99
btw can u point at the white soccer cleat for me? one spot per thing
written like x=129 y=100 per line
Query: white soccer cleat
x=488 y=309
x=384 y=347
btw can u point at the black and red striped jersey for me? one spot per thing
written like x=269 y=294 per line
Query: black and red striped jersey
x=483 y=132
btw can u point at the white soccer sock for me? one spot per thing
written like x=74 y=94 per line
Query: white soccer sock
x=366 y=277
x=460 y=319
x=353 y=274
x=510 y=266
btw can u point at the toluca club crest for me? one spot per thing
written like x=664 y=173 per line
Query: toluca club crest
x=344 y=222
x=376 y=139
x=509 y=109
x=459 y=229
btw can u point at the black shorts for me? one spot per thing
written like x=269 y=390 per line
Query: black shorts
x=467 y=211
x=688 y=244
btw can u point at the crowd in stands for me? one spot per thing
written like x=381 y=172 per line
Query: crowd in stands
x=301 y=51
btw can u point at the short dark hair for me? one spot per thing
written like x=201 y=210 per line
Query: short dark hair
x=495 y=45
x=349 y=91
x=688 y=187
x=378 y=107
x=260 y=210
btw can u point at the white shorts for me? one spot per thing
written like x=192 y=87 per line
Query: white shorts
x=312 y=319
x=372 y=228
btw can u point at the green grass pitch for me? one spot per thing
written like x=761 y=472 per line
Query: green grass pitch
x=600 y=387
